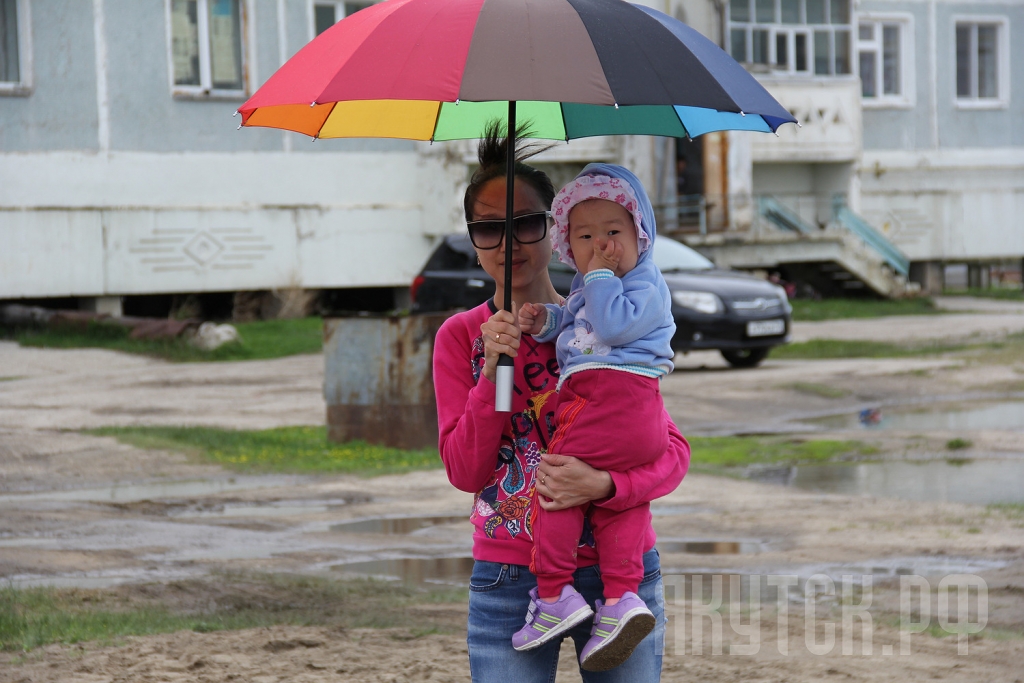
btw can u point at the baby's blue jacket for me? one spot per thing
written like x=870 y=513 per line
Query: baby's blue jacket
x=611 y=321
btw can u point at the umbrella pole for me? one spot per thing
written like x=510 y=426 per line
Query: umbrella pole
x=505 y=371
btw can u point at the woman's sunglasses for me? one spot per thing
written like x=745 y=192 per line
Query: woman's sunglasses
x=526 y=229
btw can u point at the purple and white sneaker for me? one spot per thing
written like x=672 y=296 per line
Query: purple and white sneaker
x=546 y=620
x=618 y=629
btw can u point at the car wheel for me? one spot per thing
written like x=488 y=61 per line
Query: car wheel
x=745 y=358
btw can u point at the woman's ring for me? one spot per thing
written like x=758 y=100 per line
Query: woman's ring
x=497 y=338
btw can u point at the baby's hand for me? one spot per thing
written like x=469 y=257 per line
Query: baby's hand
x=532 y=318
x=608 y=257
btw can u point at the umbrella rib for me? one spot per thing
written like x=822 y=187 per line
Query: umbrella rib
x=437 y=117
x=680 y=119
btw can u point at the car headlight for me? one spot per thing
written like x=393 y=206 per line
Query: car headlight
x=705 y=302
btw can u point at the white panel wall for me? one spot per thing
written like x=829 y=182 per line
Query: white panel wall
x=51 y=253
x=162 y=251
x=951 y=205
x=93 y=224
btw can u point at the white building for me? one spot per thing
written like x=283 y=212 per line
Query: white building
x=121 y=174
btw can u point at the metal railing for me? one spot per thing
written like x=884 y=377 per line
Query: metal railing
x=782 y=216
x=847 y=219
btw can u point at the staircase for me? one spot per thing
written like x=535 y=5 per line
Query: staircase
x=847 y=257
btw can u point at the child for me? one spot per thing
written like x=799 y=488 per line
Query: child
x=613 y=343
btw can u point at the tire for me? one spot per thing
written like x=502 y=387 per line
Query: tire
x=745 y=358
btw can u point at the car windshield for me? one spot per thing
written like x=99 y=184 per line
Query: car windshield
x=670 y=255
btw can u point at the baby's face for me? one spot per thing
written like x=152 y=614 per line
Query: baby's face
x=594 y=223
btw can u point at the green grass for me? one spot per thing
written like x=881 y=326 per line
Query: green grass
x=958 y=444
x=832 y=309
x=817 y=389
x=34 y=617
x=857 y=348
x=1015 y=294
x=712 y=452
x=285 y=449
x=1013 y=510
x=259 y=340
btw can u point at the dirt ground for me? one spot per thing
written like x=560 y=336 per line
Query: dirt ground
x=77 y=510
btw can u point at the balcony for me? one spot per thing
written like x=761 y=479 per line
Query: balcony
x=829 y=111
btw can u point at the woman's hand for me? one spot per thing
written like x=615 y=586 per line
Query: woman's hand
x=501 y=335
x=564 y=482
x=532 y=318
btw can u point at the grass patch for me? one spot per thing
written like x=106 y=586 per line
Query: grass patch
x=833 y=309
x=1012 y=510
x=34 y=617
x=857 y=348
x=9 y=379
x=958 y=444
x=259 y=340
x=735 y=451
x=286 y=449
x=816 y=389
x=1015 y=294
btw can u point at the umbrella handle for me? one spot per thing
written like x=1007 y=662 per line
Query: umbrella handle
x=503 y=381
x=506 y=366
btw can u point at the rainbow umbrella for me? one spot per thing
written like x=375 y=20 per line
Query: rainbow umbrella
x=441 y=69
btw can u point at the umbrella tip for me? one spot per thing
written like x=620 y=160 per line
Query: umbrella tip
x=777 y=134
x=236 y=113
x=798 y=124
x=239 y=127
x=457 y=100
x=616 y=105
x=314 y=138
x=313 y=103
x=743 y=113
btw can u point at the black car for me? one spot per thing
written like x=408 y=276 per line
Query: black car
x=737 y=314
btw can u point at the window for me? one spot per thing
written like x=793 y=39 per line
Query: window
x=884 y=56
x=327 y=14
x=982 y=64
x=206 y=47
x=14 y=47
x=792 y=36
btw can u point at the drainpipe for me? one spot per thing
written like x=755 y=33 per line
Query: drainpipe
x=720 y=8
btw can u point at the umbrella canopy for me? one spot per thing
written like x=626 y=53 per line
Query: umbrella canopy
x=440 y=69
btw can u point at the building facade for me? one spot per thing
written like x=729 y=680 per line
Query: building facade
x=907 y=110
x=121 y=172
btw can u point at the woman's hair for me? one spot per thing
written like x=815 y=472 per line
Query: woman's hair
x=493 y=157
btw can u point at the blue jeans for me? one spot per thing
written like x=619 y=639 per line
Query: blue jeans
x=498 y=600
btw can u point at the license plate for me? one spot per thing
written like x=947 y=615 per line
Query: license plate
x=765 y=328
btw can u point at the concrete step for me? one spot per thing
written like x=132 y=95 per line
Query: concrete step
x=828 y=260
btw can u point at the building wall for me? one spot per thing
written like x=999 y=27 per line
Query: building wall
x=946 y=182
x=109 y=185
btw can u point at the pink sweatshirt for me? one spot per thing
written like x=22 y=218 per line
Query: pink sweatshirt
x=495 y=455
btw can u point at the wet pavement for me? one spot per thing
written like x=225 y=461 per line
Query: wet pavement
x=83 y=510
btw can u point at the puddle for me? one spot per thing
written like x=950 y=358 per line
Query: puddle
x=976 y=482
x=133 y=492
x=279 y=508
x=1005 y=416
x=703 y=547
x=393 y=526
x=415 y=570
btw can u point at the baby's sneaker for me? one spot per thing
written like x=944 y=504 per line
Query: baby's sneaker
x=618 y=629
x=545 y=620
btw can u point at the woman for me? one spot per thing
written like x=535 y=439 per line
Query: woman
x=501 y=457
